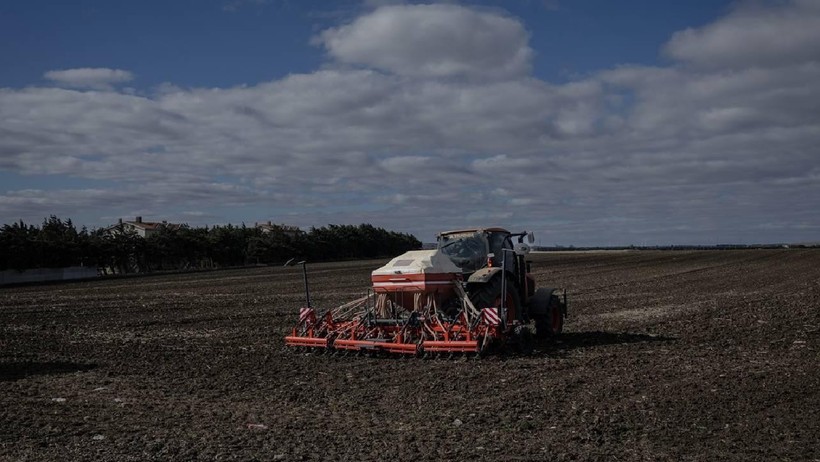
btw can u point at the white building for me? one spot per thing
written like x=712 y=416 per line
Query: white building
x=142 y=228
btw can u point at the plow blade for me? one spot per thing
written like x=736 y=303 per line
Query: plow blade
x=450 y=346
x=314 y=342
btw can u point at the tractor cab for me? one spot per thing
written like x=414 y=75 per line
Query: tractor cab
x=474 y=249
x=491 y=265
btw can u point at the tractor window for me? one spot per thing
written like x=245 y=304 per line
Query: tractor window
x=467 y=251
x=499 y=242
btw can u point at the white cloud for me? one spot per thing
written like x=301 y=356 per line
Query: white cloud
x=753 y=35
x=93 y=78
x=437 y=40
x=685 y=151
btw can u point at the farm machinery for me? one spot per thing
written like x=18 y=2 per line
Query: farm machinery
x=472 y=294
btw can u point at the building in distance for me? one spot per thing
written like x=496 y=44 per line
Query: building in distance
x=141 y=228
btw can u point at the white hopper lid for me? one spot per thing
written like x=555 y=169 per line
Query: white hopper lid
x=418 y=262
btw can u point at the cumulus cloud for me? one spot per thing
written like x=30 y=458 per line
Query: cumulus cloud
x=687 y=152
x=94 y=78
x=437 y=40
x=753 y=35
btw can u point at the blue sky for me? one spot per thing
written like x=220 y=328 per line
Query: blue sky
x=590 y=122
x=225 y=43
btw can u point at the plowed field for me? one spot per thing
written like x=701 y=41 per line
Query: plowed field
x=709 y=355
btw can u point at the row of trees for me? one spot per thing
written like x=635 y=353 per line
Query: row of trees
x=58 y=243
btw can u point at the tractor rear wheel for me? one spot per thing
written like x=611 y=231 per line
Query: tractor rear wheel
x=551 y=323
x=488 y=295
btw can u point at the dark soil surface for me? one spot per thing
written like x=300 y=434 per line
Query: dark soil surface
x=710 y=355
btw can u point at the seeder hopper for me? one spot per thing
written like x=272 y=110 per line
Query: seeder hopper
x=470 y=295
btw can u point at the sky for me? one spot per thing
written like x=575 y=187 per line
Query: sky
x=588 y=122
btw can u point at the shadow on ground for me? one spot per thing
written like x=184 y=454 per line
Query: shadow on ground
x=575 y=340
x=12 y=371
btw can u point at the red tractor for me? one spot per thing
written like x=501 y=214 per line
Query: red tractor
x=472 y=293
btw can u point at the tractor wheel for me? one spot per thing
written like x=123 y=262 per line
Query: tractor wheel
x=523 y=340
x=551 y=323
x=488 y=295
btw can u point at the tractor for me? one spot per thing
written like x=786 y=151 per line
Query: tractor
x=472 y=294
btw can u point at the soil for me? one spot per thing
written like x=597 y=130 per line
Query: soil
x=710 y=355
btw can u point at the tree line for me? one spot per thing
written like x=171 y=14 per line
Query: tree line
x=58 y=243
